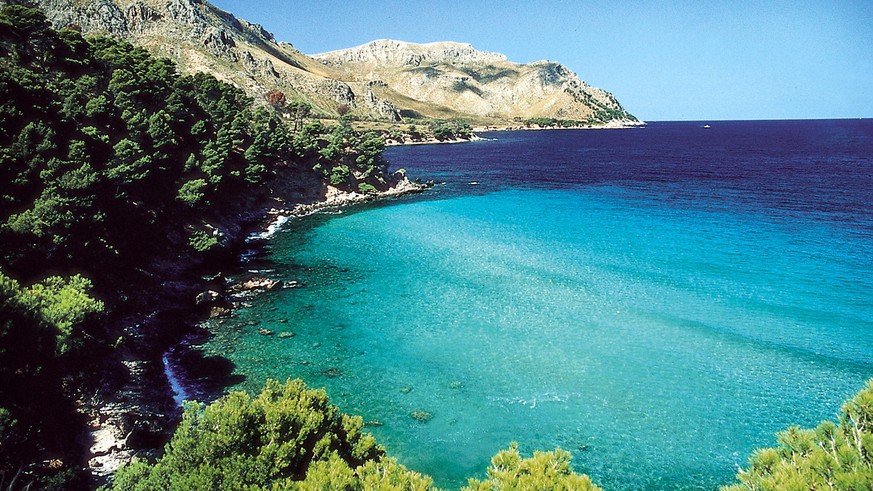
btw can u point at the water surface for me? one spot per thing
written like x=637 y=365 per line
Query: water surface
x=658 y=301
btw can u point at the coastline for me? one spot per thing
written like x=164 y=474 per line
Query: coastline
x=621 y=125
x=433 y=141
x=136 y=415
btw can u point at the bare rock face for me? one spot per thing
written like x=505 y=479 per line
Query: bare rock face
x=383 y=107
x=387 y=52
x=481 y=83
x=221 y=43
x=382 y=80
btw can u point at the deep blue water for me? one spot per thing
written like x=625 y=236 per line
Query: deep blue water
x=659 y=301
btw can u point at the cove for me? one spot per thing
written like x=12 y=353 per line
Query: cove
x=659 y=302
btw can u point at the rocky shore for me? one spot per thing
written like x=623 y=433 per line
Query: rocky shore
x=432 y=141
x=137 y=403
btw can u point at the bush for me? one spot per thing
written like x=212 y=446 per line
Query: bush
x=339 y=175
x=545 y=471
x=201 y=241
x=192 y=192
x=64 y=303
x=286 y=435
x=366 y=188
x=831 y=456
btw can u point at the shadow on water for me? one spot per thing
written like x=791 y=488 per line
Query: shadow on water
x=196 y=376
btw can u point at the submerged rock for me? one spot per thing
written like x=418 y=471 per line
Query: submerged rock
x=332 y=372
x=255 y=284
x=373 y=423
x=422 y=416
x=287 y=334
x=265 y=332
x=406 y=389
x=216 y=312
x=457 y=384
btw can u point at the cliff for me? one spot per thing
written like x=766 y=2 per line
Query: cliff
x=462 y=79
x=382 y=80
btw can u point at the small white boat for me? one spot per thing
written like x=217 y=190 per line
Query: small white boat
x=706 y=126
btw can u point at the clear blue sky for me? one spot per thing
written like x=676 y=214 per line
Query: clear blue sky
x=694 y=60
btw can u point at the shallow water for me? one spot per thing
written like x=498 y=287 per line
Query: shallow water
x=659 y=301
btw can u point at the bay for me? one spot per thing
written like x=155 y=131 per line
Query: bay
x=658 y=301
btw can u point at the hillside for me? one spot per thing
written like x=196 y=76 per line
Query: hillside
x=465 y=80
x=382 y=80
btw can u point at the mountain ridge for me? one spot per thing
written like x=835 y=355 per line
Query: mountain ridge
x=384 y=80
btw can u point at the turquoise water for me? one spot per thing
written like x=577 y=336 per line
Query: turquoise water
x=659 y=343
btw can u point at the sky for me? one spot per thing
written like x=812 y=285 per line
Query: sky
x=664 y=61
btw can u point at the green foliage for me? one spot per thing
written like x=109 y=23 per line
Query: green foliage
x=449 y=130
x=306 y=140
x=831 y=456
x=339 y=175
x=35 y=418
x=192 y=192
x=202 y=241
x=64 y=303
x=107 y=149
x=557 y=123
x=545 y=471
x=341 y=139
x=287 y=437
x=108 y=158
x=366 y=188
x=369 y=154
x=346 y=158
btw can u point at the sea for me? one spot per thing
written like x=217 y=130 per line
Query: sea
x=658 y=301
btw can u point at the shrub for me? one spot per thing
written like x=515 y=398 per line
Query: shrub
x=192 y=192
x=366 y=188
x=286 y=435
x=831 y=456
x=201 y=241
x=545 y=471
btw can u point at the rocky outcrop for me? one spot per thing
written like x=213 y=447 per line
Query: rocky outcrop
x=381 y=106
x=391 y=53
x=384 y=80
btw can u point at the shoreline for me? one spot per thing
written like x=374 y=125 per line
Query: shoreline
x=433 y=141
x=137 y=416
x=608 y=126
x=483 y=129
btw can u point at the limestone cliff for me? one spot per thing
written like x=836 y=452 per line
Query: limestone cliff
x=383 y=80
x=458 y=77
